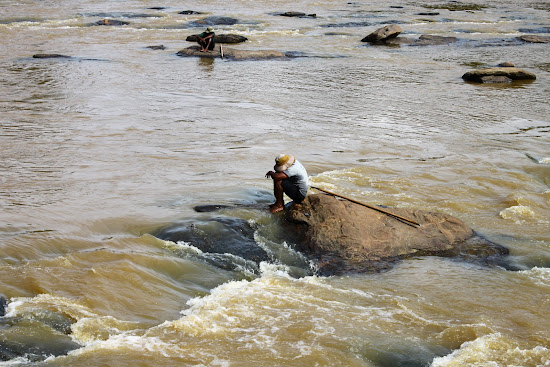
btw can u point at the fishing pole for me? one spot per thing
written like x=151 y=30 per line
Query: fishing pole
x=395 y=216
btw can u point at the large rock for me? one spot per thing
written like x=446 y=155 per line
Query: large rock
x=534 y=39
x=344 y=236
x=221 y=38
x=383 y=34
x=232 y=54
x=508 y=72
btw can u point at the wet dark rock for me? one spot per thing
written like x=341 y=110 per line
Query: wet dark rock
x=157 y=47
x=534 y=39
x=50 y=56
x=383 y=34
x=214 y=20
x=296 y=14
x=157 y=8
x=111 y=22
x=347 y=237
x=220 y=235
x=36 y=336
x=190 y=12
x=428 y=13
x=222 y=38
x=232 y=54
x=3 y=305
x=209 y=208
x=508 y=72
x=506 y=65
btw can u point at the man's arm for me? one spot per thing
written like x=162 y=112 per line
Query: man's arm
x=277 y=176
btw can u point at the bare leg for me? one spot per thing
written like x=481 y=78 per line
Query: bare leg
x=278 y=192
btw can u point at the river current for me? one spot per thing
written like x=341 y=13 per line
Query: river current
x=100 y=150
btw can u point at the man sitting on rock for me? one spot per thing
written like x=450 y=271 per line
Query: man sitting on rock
x=290 y=178
x=207 y=39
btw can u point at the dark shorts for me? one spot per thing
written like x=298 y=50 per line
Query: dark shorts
x=293 y=191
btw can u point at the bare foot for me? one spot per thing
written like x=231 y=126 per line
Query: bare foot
x=275 y=208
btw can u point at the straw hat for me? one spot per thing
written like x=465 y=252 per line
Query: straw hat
x=210 y=29
x=283 y=162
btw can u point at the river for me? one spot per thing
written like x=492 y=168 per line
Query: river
x=100 y=150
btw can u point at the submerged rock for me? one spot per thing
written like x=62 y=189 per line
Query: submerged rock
x=36 y=336
x=3 y=305
x=296 y=14
x=511 y=73
x=214 y=20
x=383 y=34
x=219 y=235
x=347 y=237
x=111 y=22
x=157 y=47
x=430 y=40
x=222 y=38
x=232 y=54
x=190 y=12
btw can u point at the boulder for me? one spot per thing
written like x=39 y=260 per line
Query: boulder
x=157 y=47
x=222 y=38
x=232 y=54
x=348 y=237
x=383 y=34
x=508 y=72
x=534 y=39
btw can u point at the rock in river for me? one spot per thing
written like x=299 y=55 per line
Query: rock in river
x=347 y=237
x=233 y=54
x=512 y=73
x=110 y=22
x=383 y=34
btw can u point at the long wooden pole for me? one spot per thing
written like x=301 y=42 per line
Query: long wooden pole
x=402 y=219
